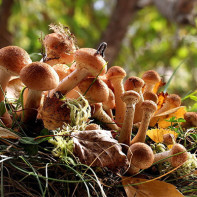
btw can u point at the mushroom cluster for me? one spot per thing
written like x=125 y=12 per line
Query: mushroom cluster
x=68 y=73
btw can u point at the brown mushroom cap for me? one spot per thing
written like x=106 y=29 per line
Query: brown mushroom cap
x=149 y=106
x=191 y=118
x=180 y=158
x=89 y=59
x=13 y=59
x=115 y=72
x=98 y=91
x=62 y=70
x=133 y=82
x=174 y=100
x=168 y=139
x=150 y=96
x=151 y=76
x=39 y=76
x=130 y=97
x=141 y=155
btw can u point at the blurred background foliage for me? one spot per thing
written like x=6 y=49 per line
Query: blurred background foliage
x=151 y=42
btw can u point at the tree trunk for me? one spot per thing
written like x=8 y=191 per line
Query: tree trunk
x=119 y=21
x=5 y=12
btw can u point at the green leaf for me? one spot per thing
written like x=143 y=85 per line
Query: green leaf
x=28 y=140
x=2 y=108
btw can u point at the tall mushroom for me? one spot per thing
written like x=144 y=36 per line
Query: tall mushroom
x=176 y=156
x=140 y=156
x=130 y=98
x=151 y=78
x=136 y=84
x=116 y=75
x=148 y=108
x=12 y=60
x=88 y=63
x=38 y=77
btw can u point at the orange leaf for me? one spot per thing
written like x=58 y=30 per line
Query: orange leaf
x=161 y=98
x=5 y=133
x=157 y=134
x=136 y=187
x=177 y=112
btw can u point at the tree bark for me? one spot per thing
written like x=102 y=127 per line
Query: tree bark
x=5 y=13
x=117 y=27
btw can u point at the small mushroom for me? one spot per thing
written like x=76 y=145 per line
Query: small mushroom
x=130 y=98
x=169 y=139
x=136 y=84
x=88 y=63
x=101 y=115
x=140 y=156
x=172 y=155
x=151 y=78
x=150 y=96
x=191 y=119
x=38 y=77
x=116 y=75
x=12 y=60
x=148 y=108
x=171 y=101
x=93 y=126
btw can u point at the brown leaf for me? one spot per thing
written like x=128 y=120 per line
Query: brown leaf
x=98 y=148
x=5 y=133
x=150 y=189
x=177 y=112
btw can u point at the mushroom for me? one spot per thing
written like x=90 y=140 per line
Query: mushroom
x=62 y=70
x=88 y=63
x=150 y=96
x=59 y=48
x=12 y=60
x=116 y=75
x=93 y=126
x=191 y=119
x=176 y=156
x=130 y=98
x=94 y=90
x=140 y=156
x=151 y=78
x=109 y=104
x=168 y=139
x=148 y=108
x=38 y=77
x=101 y=115
x=171 y=101
x=136 y=84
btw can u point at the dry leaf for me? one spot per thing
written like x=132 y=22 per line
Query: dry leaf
x=157 y=134
x=161 y=98
x=5 y=133
x=150 y=189
x=157 y=86
x=98 y=148
x=177 y=112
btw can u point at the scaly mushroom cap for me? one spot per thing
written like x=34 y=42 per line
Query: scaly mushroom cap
x=149 y=106
x=13 y=59
x=150 y=96
x=151 y=77
x=133 y=82
x=140 y=155
x=89 y=59
x=115 y=72
x=168 y=139
x=130 y=96
x=39 y=76
x=173 y=100
x=55 y=44
x=62 y=70
x=98 y=91
x=191 y=119
x=180 y=158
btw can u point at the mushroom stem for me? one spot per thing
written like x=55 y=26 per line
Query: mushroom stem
x=32 y=103
x=148 y=107
x=130 y=98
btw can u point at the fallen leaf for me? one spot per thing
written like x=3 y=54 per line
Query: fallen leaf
x=157 y=134
x=5 y=133
x=160 y=119
x=161 y=98
x=136 y=187
x=157 y=86
x=98 y=148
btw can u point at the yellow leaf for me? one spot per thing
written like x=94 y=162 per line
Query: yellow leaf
x=5 y=133
x=149 y=189
x=157 y=134
x=160 y=119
